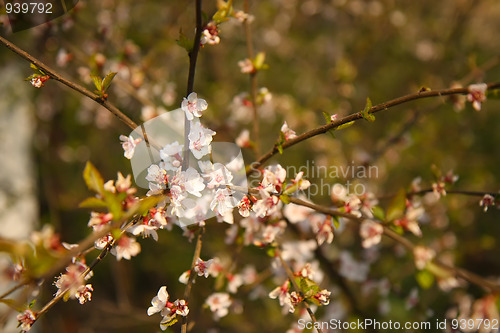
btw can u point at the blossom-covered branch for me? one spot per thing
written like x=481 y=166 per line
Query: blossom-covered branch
x=359 y=115
x=58 y=77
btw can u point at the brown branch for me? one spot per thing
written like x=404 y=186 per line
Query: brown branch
x=374 y=109
x=56 y=76
x=192 y=275
x=193 y=57
x=253 y=78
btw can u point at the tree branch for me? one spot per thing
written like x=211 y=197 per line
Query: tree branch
x=357 y=116
x=56 y=76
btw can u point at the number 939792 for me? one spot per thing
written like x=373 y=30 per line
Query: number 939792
x=28 y=8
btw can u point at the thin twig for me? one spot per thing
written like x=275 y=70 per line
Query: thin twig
x=193 y=57
x=253 y=78
x=374 y=109
x=56 y=76
x=192 y=275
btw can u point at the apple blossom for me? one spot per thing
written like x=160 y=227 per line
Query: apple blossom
x=477 y=94
x=371 y=232
x=486 y=201
x=200 y=139
x=219 y=304
x=126 y=248
x=193 y=106
x=171 y=154
x=243 y=140
x=288 y=132
x=128 y=145
x=422 y=256
x=202 y=267
x=26 y=319
x=210 y=34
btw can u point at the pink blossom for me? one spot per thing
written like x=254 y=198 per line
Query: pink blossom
x=210 y=35
x=273 y=178
x=219 y=176
x=477 y=94
x=26 y=319
x=219 y=304
x=266 y=204
x=39 y=80
x=283 y=295
x=200 y=139
x=128 y=145
x=371 y=232
x=246 y=66
x=171 y=155
x=223 y=201
x=84 y=293
x=126 y=248
x=243 y=140
x=159 y=302
x=422 y=256
x=193 y=106
x=323 y=228
x=202 y=267
x=486 y=201
x=288 y=132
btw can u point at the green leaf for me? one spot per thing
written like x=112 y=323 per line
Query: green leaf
x=397 y=206
x=285 y=198
x=349 y=124
x=184 y=42
x=327 y=117
x=143 y=206
x=114 y=205
x=425 y=279
x=93 y=178
x=97 y=82
x=106 y=82
x=366 y=112
x=225 y=10
x=93 y=202
x=336 y=222
x=259 y=60
x=378 y=213
x=169 y=322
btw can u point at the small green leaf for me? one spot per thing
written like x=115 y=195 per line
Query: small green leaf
x=106 y=82
x=259 y=60
x=349 y=124
x=366 y=112
x=397 y=206
x=425 y=279
x=97 y=82
x=271 y=252
x=169 y=321
x=34 y=67
x=184 y=42
x=336 y=222
x=225 y=10
x=143 y=206
x=378 y=213
x=93 y=202
x=93 y=178
x=114 y=205
x=327 y=117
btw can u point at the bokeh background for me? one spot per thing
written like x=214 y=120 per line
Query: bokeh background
x=323 y=56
